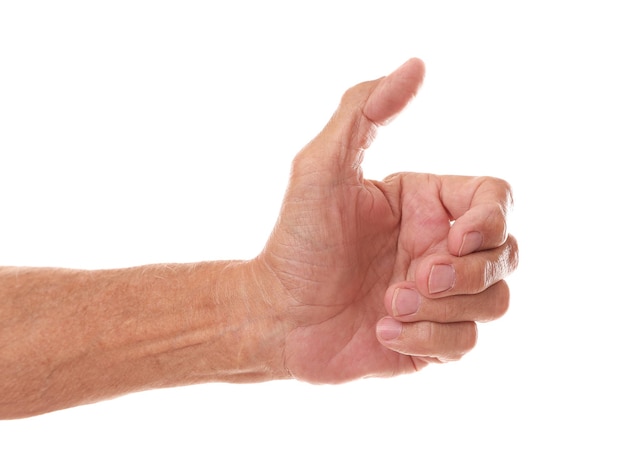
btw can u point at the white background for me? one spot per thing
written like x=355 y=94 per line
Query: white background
x=141 y=132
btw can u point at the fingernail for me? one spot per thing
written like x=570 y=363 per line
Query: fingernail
x=441 y=278
x=389 y=329
x=405 y=301
x=471 y=242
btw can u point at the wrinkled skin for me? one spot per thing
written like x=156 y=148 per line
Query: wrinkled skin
x=344 y=245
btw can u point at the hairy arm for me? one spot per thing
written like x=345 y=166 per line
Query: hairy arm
x=69 y=337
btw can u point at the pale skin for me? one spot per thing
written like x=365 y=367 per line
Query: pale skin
x=359 y=278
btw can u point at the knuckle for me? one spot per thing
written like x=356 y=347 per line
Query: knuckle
x=496 y=221
x=501 y=202
x=496 y=269
x=503 y=190
x=357 y=93
x=512 y=253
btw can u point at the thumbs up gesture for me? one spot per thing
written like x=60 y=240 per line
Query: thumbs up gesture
x=378 y=278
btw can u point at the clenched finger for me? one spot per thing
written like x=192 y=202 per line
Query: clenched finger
x=442 y=274
x=442 y=341
x=479 y=207
x=406 y=304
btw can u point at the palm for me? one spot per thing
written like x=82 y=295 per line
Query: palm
x=337 y=267
x=342 y=240
x=346 y=252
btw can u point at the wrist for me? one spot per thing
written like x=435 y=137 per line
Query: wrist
x=246 y=322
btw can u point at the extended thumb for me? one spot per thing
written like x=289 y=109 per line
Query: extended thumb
x=337 y=150
x=394 y=92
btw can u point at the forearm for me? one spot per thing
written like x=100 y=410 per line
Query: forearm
x=70 y=337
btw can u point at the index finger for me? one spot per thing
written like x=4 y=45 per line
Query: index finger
x=479 y=207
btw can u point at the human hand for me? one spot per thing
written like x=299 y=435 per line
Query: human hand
x=381 y=278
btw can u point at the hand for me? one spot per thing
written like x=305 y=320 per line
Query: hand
x=381 y=278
